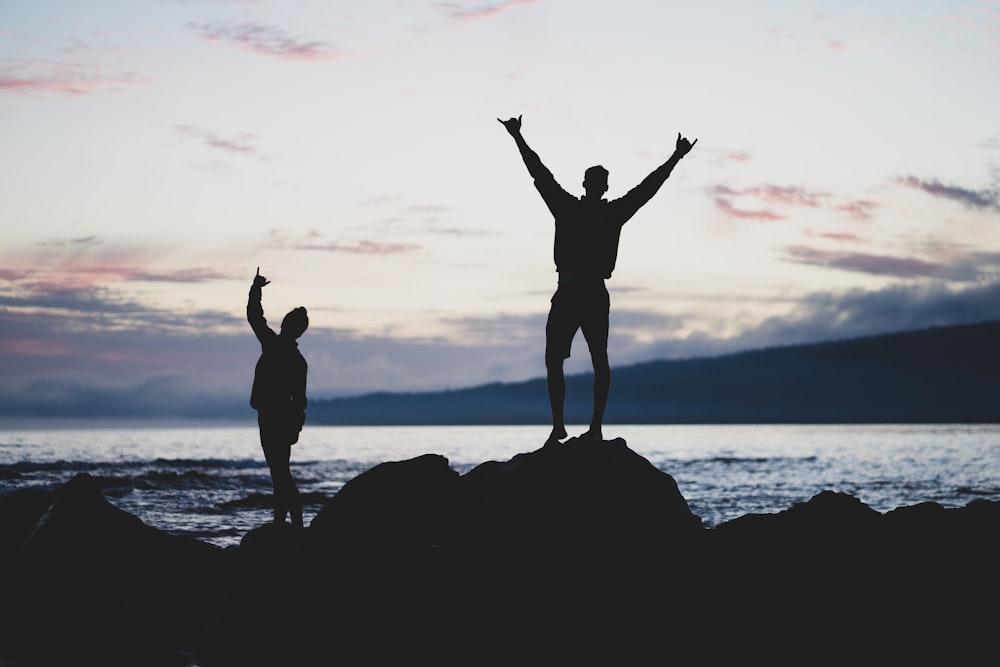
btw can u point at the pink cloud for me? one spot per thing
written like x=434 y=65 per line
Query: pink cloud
x=57 y=283
x=763 y=215
x=724 y=195
x=62 y=267
x=197 y=275
x=268 y=41
x=787 y=195
x=860 y=209
x=719 y=158
x=835 y=236
x=34 y=348
x=460 y=13
x=64 y=78
x=13 y=275
x=736 y=156
x=781 y=195
x=884 y=265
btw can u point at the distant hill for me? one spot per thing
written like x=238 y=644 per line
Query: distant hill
x=936 y=375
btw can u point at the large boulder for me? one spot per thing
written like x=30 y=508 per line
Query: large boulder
x=20 y=511
x=397 y=504
x=581 y=496
x=834 y=572
x=81 y=537
x=93 y=584
x=581 y=493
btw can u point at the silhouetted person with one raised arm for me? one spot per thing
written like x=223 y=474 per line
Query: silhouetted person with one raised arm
x=587 y=230
x=279 y=396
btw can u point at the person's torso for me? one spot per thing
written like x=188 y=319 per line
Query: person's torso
x=587 y=235
x=279 y=376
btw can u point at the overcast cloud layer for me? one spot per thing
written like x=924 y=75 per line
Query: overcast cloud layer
x=846 y=182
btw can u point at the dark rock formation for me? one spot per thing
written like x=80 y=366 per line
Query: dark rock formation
x=397 y=504
x=578 y=495
x=574 y=553
x=92 y=584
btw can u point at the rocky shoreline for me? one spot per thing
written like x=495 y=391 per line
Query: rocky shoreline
x=579 y=552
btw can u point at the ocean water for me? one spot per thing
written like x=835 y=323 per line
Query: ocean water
x=211 y=482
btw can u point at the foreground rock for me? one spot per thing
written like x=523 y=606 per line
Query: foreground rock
x=580 y=552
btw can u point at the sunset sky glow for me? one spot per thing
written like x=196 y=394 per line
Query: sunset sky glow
x=846 y=182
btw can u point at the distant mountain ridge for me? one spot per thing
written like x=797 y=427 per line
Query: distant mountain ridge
x=936 y=375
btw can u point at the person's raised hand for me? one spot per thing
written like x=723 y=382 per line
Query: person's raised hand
x=259 y=280
x=513 y=125
x=683 y=145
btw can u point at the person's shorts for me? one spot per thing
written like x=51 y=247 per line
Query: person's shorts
x=577 y=306
x=280 y=428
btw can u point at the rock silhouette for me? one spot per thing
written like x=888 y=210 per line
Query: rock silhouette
x=575 y=552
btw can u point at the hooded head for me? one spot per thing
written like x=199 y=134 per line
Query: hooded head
x=295 y=323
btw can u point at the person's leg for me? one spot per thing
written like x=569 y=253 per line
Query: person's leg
x=602 y=388
x=277 y=457
x=291 y=503
x=272 y=456
x=286 y=493
x=559 y=332
x=595 y=331
x=556 y=382
x=294 y=501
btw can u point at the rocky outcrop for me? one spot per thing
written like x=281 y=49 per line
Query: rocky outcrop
x=574 y=553
x=92 y=584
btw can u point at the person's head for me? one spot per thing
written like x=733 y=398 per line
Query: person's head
x=595 y=181
x=295 y=322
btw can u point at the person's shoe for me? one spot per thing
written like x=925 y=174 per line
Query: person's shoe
x=556 y=435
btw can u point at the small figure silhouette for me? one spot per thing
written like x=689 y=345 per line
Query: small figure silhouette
x=587 y=231
x=279 y=396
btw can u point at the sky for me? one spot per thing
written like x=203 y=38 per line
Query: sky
x=155 y=153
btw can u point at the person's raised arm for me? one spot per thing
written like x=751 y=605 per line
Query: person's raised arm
x=255 y=311
x=650 y=185
x=530 y=157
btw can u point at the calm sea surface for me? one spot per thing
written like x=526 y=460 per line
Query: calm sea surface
x=211 y=482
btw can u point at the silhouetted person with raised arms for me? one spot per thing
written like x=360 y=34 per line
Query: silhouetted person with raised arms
x=279 y=396
x=587 y=230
